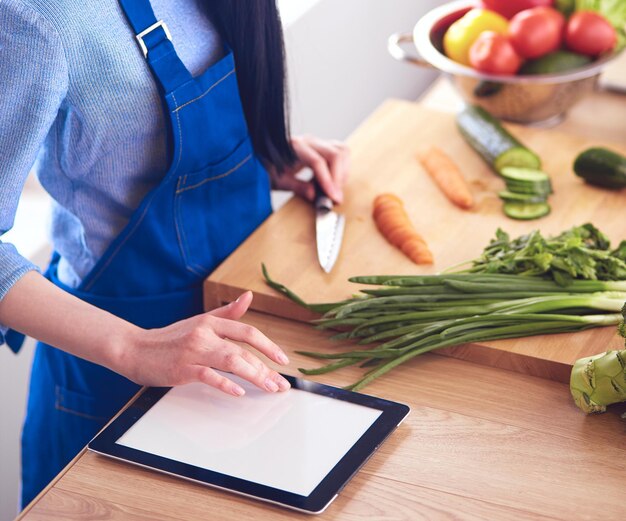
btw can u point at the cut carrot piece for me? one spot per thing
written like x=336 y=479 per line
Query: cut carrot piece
x=394 y=224
x=387 y=197
x=447 y=176
x=383 y=207
x=417 y=251
x=399 y=236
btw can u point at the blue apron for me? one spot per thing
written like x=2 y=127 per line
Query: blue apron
x=215 y=193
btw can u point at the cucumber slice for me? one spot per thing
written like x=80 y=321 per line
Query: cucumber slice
x=512 y=197
x=529 y=189
x=492 y=141
x=526 y=211
x=524 y=175
x=516 y=157
x=527 y=181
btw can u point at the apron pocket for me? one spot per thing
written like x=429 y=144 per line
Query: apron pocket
x=83 y=405
x=218 y=207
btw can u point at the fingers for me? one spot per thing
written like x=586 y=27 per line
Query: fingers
x=210 y=377
x=232 y=358
x=271 y=380
x=337 y=155
x=236 y=309
x=329 y=162
x=241 y=332
x=303 y=189
x=211 y=336
x=281 y=383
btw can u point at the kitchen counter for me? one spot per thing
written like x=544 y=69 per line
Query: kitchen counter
x=600 y=116
x=480 y=443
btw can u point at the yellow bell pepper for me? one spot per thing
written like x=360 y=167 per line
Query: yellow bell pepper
x=463 y=33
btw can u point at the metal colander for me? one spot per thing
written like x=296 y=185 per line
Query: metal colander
x=542 y=99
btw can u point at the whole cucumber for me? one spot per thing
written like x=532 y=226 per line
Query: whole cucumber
x=492 y=141
x=601 y=167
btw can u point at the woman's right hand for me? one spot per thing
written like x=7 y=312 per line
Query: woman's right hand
x=189 y=350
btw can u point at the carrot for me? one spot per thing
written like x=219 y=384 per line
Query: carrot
x=417 y=251
x=394 y=223
x=447 y=176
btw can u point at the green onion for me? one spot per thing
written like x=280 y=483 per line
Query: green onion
x=408 y=316
x=525 y=286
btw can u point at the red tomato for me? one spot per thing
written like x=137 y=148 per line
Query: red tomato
x=536 y=31
x=493 y=53
x=589 y=33
x=508 y=8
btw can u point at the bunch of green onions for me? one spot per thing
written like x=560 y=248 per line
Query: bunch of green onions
x=405 y=316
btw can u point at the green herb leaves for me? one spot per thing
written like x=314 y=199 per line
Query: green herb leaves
x=582 y=252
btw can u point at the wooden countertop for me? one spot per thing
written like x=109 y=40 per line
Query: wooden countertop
x=384 y=150
x=600 y=116
x=480 y=443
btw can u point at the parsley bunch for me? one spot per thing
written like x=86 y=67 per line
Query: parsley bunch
x=582 y=252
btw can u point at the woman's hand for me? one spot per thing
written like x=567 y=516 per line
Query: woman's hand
x=330 y=162
x=187 y=351
x=180 y=353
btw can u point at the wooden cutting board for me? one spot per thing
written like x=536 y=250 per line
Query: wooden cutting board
x=384 y=152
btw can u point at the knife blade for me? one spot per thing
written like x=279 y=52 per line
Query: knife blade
x=329 y=227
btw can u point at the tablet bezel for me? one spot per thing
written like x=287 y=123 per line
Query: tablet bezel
x=392 y=414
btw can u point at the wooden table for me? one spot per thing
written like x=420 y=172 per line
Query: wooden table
x=480 y=443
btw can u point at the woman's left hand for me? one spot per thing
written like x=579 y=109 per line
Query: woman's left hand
x=330 y=162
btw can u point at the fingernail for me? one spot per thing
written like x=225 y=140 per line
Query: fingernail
x=271 y=385
x=238 y=391
x=282 y=358
x=242 y=295
x=283 y=384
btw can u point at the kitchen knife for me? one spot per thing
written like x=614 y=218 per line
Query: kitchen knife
x=329 y=227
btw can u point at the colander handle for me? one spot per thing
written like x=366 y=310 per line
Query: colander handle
x=395 y=47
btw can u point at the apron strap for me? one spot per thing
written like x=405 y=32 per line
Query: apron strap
x=14 y=340
x=154 y=39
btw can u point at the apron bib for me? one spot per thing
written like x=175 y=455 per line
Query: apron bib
x=215 y=193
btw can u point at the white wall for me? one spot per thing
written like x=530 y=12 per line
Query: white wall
x=339 y=73
x=338 y=63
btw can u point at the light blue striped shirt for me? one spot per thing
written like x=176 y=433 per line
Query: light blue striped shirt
x=77 y=95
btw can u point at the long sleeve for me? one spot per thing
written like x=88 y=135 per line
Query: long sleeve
x=33 y=83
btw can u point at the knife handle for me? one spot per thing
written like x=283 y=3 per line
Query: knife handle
x=321 y=201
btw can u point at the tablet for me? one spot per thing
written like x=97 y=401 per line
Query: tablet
x=297 y=448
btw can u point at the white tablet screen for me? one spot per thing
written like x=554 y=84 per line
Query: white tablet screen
x=289 y=440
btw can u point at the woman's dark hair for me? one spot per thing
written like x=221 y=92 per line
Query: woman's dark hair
x=253 y=30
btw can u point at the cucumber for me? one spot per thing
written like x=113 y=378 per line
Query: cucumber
x=527 y=186
x=526 y=211
x=527 y=181
x=492 y=141
x=557 y=61
x=601 y=167
x=526 y=194
x=486 y=89
x=512 y=197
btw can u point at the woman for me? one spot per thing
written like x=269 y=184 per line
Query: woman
x=158 y=168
